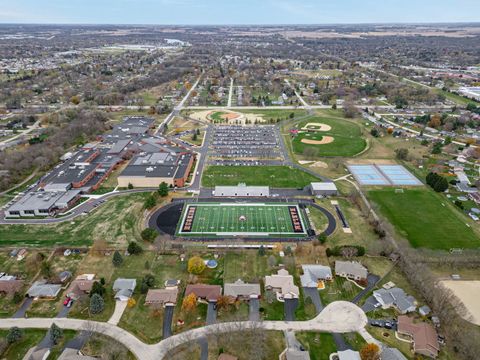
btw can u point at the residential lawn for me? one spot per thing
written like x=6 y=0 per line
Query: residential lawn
x=425 y=219
x=355 y=340
x=236 y=312
x=100 y=345
x=81 y=307
x=348 y=140
x=319 y=345
x=338 y=289
x=143 y=321
x=117 y=221
x=246 y=265
x=58 y=349
x=271 y=308
x=45 y=308
x=17 y=351
x=246 y=345
x=388 y=338
x=274 y=176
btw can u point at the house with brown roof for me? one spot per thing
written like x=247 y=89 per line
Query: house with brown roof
x=82 y=285
x=9 y=284
x=205 y=292
x=424 y=336
x=282 y=284
x=163 y=297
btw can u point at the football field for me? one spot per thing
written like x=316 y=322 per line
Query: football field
x=249 y=219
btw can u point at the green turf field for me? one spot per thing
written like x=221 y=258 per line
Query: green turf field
x=347 y=135
x=425 y=219
x=233 y=219
x=273 y=176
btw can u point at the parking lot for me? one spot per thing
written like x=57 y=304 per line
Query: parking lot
x=245 y=142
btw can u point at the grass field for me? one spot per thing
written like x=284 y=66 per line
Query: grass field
x=319 y=345
x=273 y=176
x=426 y=221
x=226 y=220
x=347 y=137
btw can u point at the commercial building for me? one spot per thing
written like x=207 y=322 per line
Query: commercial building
x=323 y=189
x=241 y=190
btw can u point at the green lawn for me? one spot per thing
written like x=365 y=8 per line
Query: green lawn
x=347 y=137
x=319 y=345
x=274 y=176
x=338 y=289
x=425 y=219
x=17 y=351
x=246 y=265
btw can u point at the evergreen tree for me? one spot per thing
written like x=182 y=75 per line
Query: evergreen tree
x=117 y=259
x=97 y=304
x=14 y=335
x=56 y=333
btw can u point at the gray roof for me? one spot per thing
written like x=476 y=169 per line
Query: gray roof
x=72 y=354
x=239 y=288
x=392 y=354
x=43 y=200
x=42 y=289
x=313 y=273
x=351 y=267
x=124 y=287
x=395 y=297
x=292 y=354
x=319 y=186
x=242 y=190
x=348 y=355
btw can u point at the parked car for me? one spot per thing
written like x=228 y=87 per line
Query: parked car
x=67 y=301
x=67 y=252
x=70 y=303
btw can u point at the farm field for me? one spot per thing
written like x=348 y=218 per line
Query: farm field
x=332 y=137
x=255 y=219
x=421 y=216
x=274 y=176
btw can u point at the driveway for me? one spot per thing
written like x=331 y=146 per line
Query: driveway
x=289 y=306
x=167 y=321
x=369 y=304
x=372 y=281
x=23 y=309
x=120 y=307
x=211 y=313
x=64 y=311
x=203 y=342
x=313 y=294
x=253 y=307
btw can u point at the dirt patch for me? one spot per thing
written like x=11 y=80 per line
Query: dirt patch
x=468 y=292
x=317 y=127
x=320 y=164
x=325 y=140
x=230 y=116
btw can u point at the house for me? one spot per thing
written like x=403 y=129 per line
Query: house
x=348 y=355
x=282 y=284
x=9 y=284
x=81 y=285
x=40 y=289
x=397 y=298
x=424 y=310
x=323 y=189
x=391 y=354
x=313 y=273
x=124 y=288
x=209 y=293
x=74 y=354
x=351 y=270
x=242 y=290
x=424 y=336
x=163 y=297
x=172 y=283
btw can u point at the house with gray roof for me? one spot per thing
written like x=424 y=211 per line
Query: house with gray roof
x=313 y=273
x=124 y=288
x=241 y=290
x=40 y=289
x=397 y=298
x=351 y=270
x=392 y=354
x=348 y=355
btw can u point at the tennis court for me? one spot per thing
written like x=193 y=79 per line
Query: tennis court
x=248 y=219
x=383 y=175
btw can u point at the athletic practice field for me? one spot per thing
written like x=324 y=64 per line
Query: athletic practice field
x=249 y=219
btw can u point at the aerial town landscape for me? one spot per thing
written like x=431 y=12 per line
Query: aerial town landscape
x=245 y=192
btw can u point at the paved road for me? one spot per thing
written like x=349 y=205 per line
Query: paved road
x=167 y=321
x=340 y=317
x=211 y=313
x=254 y=310
x=372 y=281
x=202 y=159
x=313 y=294
x=289 y=307
x=23 y=309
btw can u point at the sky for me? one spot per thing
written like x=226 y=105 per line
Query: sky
x=220 y=12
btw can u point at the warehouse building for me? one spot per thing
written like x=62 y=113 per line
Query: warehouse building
x=323 y=189
x=241 y=190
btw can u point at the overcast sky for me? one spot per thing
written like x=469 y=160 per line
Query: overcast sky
x=237 y=11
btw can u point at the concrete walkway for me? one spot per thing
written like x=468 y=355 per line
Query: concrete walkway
x=120 y=307
x=337 y=317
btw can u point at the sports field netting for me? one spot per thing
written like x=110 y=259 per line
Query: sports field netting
x=249 y=219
